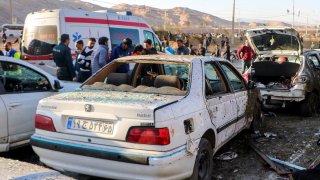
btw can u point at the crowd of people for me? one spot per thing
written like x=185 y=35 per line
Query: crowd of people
x=89 y=60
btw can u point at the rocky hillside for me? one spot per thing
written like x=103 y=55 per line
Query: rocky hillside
x=175 y=17
x=170 y=19
x=22 y=7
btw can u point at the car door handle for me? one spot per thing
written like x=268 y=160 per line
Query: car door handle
x=15 y=104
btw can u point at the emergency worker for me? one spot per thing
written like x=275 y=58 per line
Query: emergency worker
x=124 y=49
x=10 y=51
x=63 y=59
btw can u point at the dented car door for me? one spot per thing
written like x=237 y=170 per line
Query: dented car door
x=220 y=102
x=3 y=119
x=238 y=86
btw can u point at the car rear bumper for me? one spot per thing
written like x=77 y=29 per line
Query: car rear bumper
x=103 y=161
x=293 y=95
x=4 y=147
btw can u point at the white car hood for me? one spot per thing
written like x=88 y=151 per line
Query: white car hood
x=275 y=41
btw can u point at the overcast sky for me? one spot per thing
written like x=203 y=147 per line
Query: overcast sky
x=245 y=9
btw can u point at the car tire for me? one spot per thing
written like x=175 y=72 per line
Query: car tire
x=310 y=105
x=203 y=165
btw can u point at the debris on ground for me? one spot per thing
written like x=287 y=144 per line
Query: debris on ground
x=287 y=164
x=269 y=134
x=280 y=170
x=227 y=156
x=271 y=114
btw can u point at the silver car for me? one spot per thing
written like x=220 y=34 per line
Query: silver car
x=282 y=72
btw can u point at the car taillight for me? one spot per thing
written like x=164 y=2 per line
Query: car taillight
x=300 y=80
x=44 y=123
x=149 y=135
x=246 y=76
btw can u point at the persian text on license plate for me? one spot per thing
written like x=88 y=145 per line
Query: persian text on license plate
x=104 y=127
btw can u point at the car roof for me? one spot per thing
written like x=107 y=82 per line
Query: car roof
x=169 y=58
x=270 y=28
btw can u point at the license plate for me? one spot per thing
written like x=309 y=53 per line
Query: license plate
x=104 y=127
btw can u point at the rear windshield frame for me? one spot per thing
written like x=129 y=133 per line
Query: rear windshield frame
x=94 y=78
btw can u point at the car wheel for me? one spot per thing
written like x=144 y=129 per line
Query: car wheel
x=310 y=105
x=202 y=169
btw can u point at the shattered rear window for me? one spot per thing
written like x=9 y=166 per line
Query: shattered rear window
x=274 y=41
x=142 y=76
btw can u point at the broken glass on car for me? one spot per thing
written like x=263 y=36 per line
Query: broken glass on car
x=144 y=76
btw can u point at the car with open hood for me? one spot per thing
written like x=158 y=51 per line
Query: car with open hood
x=163 y=119
x=22 y=85
x=282 y=71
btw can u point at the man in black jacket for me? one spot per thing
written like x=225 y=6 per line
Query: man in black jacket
x=62 y=58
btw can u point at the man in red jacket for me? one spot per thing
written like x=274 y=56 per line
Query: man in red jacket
x=245 y=53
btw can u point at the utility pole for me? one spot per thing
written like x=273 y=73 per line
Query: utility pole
x=307 y=24
x=239 y=21
x=233 y=14
x=165 y=20
x=292 y=13
x=11 y=11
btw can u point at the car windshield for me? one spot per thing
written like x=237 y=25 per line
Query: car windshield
x=144 y=76
x=275 y=41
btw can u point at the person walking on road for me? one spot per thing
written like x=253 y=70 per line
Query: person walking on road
x=201 y=50
x=217 y=53
x=4 y=36
x=182 y=49
x=62 y=57
x=10 y=52
x=246 y=54
x=124 y=49
x=101 y=57
x=85 y=58
x=227 y=52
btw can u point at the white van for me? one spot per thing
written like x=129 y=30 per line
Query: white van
x=43 y=29
x=12 y=30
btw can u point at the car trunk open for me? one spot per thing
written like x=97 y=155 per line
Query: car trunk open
x=274 y=75
x=278 y=50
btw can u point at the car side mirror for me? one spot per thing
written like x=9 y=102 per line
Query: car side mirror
x=251 y=85
x=57 y=85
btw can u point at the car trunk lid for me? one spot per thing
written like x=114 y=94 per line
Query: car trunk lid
x=103 y=114
x=275 y=41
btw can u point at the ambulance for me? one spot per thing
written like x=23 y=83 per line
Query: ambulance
x=42 y=30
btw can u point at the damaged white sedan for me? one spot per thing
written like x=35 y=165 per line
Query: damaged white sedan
x=164 y=119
